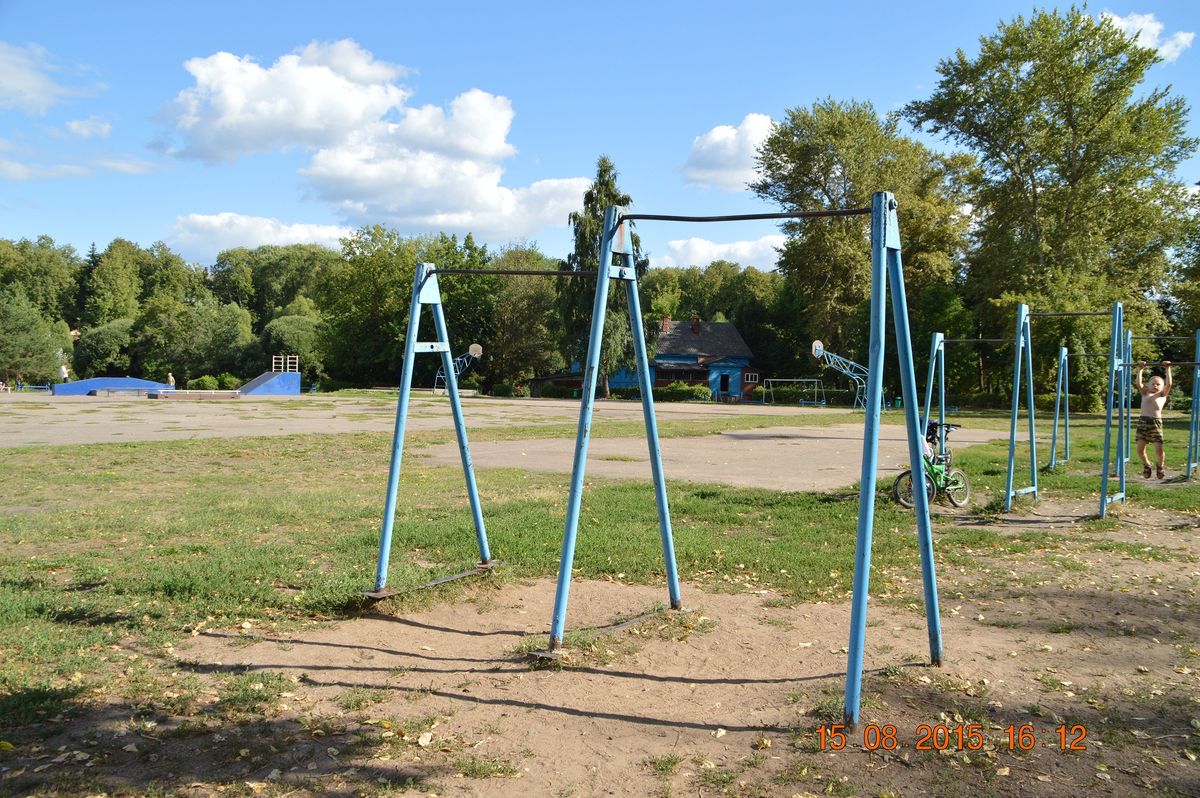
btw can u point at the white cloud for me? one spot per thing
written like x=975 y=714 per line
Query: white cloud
x=761 y=253
x=125 y=166
x=724 y=156
x=92 y=127
x=1149 y=32
x=373 y=157
x=25 y=82
x=14 y=170
x=310 y=98
x=204 y=235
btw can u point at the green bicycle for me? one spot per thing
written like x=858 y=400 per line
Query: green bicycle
x=940 y=479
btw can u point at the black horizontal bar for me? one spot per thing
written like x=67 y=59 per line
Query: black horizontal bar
x=1164 y=338
x=1074 y=313
x=1086 y=354
x=1159 y=363
x=741 y=217
x=534 y=272
x=977 y=340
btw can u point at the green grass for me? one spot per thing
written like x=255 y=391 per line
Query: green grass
x=115 y=546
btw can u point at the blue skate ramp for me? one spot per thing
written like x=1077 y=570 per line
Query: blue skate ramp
x=273 y=383
x=85 y=387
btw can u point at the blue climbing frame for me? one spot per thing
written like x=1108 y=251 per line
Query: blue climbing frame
x=886 y=264
x=1192 y=460
x=425 y=291
x=1022 y=357
x=1116 y=398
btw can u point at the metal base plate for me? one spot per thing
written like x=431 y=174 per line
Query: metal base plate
x=387 y=592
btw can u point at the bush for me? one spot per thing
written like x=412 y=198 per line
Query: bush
x=625 y=393
x=552 y=391
x=682 y=392
x=505 y=389
x=229 y=382
x=204 y=383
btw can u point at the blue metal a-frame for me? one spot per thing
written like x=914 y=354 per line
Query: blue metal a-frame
x=1022 y=357
x=425 y=291
x=1116 y=398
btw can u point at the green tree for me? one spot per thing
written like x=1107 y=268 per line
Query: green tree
x=525 y=333
x=113 y=284
x=364 y=302
x=836 y=155
x=576 y=295
x=30 y=346
x=44 y=272
x=104 y=350
x=266 y=279
x=296 y=335
x=1077 y=203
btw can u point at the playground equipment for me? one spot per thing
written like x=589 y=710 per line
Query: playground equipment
x=815 y=385
x=1062 y=401
x=96 y=386
x=857 y=374
x=616 y=239
x=1021 y=358
x=282 y=380
x=461 y=364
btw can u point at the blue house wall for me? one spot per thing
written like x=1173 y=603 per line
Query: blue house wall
x=733 y=367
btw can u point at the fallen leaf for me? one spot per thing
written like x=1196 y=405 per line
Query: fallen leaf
x=719 y=733
x=425 y=739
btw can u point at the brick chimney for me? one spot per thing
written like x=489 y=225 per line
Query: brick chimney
x=665 y=326
x=695 y=323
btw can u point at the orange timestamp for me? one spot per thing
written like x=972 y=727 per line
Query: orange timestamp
x=945 y=737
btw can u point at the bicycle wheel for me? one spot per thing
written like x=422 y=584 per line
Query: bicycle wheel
x=902 y=489
x=958 y=488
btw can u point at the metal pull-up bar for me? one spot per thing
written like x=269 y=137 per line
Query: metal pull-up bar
x=1087 y=354
x=1052 y=313
x=531 y=272
x=1163 y=338
x=741 y=217
x=1161 y=364
x=977 y=340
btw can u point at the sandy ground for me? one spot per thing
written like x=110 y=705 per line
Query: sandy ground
x=779 y=458
x=736 y=706
x=33 y=419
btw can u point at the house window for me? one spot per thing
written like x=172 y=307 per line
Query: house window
x=751 y=376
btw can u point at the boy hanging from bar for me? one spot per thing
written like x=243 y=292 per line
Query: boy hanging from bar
x=1150 y=427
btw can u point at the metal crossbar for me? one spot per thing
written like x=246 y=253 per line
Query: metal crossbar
x=531 y=272
x=1163 y=338
x=1072 y=313
x=977 y=340
x=741 y=217
x=1160 y=364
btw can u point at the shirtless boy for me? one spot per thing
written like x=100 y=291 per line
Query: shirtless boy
x=1149 y=428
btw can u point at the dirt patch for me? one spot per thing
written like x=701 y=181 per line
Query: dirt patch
x=779 y=458
x=1059 y=631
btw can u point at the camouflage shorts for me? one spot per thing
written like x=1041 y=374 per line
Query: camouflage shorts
x=1149 y=429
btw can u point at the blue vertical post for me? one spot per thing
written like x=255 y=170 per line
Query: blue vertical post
x=393 y=482
x=1027 y=347
x=1123 y=398
x=1067 y=411
x=583 y=434
x=1127 y=390
x=1193 y=449
x=1114 y=360
x=1021 y=357
x=646 y=388
x=460 y=429
x=1059 y=390
x=937 y=372
x=885 y=260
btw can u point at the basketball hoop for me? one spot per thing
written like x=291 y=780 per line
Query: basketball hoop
x=475 y=350
x=818 y=348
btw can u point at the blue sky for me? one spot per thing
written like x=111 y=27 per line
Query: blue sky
x=224 y=124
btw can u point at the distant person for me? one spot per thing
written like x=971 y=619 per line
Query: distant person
x=1150 y=426
x=64 y=373
x=170 y=379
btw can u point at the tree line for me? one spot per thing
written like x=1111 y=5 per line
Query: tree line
x=1058 y=187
